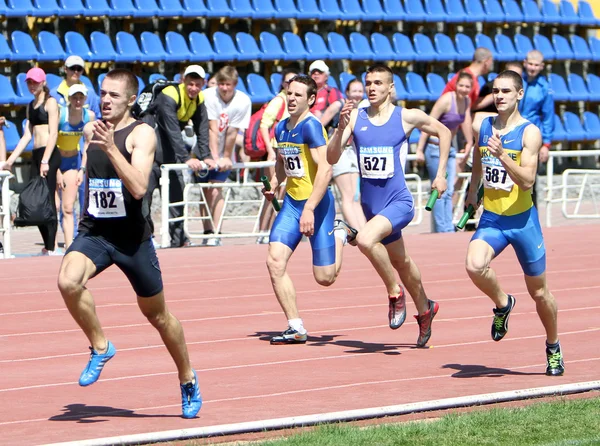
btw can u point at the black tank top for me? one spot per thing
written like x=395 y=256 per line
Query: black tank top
x=111 y=211
x=37 y=116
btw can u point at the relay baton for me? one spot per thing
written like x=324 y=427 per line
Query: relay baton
x=265 y=182
x=470 y=210
x=432 y=198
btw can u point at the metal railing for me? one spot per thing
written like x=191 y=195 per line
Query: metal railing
x=5 y=213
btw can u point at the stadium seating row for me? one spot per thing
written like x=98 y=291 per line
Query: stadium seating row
x=453 y=11
x=243 y=47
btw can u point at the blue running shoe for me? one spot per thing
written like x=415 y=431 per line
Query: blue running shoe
x=191 y=400
x=95 y=365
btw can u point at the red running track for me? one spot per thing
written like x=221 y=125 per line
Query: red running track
x=224 y=300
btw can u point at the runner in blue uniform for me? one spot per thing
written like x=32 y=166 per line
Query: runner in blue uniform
x=380 y=134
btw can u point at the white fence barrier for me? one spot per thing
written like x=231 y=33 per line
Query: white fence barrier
x=5 y=213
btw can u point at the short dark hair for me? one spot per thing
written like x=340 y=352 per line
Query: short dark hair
x=285 y=72
x=381 y=68
x=514 y=76
x=462 y=74
x=311 y=85
x=131 y=82
x=349 y=84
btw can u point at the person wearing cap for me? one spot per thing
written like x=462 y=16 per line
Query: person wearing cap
x=41 y=124
x=175 y=107
x=73 y=119
x=329 y=99
x=74 y=68
x=229 y=113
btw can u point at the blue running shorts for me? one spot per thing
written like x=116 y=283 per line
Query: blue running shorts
x=286 y=228
x=399 y=212
x=522 y=231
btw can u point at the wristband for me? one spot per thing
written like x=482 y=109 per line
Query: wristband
x=82 y=168
x=44 y=162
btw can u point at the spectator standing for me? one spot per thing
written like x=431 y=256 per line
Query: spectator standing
x=41 y=125
x=171 y=111
x=2 y=161
x=229 y=113
x=329 y=99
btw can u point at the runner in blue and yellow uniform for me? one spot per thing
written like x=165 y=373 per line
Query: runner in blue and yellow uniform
x=308 y=207
x=507 y=162
x=73 y=118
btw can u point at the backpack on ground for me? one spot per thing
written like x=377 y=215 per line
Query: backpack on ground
x=254 y=144
x=35 y=208
x=145 y=104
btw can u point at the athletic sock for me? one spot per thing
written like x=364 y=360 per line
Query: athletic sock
x=506 y=308
x=341 y=234
x=553 y=348
x=296 y=324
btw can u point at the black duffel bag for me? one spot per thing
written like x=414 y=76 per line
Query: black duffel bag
x=35 y=207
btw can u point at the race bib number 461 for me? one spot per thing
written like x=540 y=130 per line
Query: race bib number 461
x=377 y=162
x=292 y=162
x=105 y=199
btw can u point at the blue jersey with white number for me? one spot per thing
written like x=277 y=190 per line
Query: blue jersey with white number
x=382 y=151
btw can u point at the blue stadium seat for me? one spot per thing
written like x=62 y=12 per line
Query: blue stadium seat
x=595 y=48
x=414 y=136
x=18 y=8
x=559 y=87
x=338 y=47
x=293 y=47
x=128 y=49
x=241 y=86
x=86 y=81
x=494 y=12
x=513 y=11
x=562 y=48
x=445 y=48
x=559 y=133
x=345 y=79
x=225 y=49
x=475 y=10
x=141 y=84
x=591 y=125
x=577 y=87
x=435 y=84
x=258 y=88
x=586 y=14
x=276 y=79
x=201 y=48
x=568 y=16
x=102 y=48
x=417 y=90
x=593 y=86
x=122 y=8
x=285 y=9
x=482 y=40
x=53 y=80
x=531 y=11
x=29 y=147
x=176 y=47
x=171 y=8
x=156 y=77
x=550 y=12
x=491 y=77
x=382 y=47
x=464 y=46
x=315 y=46
x=523 y=45
x=330 y=10
x=308 y=10
x=51 y=50
x=97 y=8
x=271 y=46
x=99 y=80
x=543 y=45
x=456 y=12
x=217 y=9
x=5 y=51
x=415 y=11
x=505 y=47
x=401 y=93
x=23 y=47
x=11 y=135
x=75 y=44
x=146 y=9
x=44 y=8
x=177 y=77
x=194 y=8
x=361 y=48
x=394 y=11
x=424 y=48
x=581 y=50
x=373 y=10
x=352 y=10
x=153 y=48
x=573 y=127
x=71 y=8
x=263 y=10
x=403 y=47
x=435 y=11
x=240 y=9
x=247 y=47
x=7 y=93
x=332 y=82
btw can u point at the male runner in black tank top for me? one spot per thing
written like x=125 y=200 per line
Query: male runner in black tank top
x=115 y=230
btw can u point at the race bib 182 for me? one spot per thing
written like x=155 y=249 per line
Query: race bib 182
x=377 y=162
x=105 y=199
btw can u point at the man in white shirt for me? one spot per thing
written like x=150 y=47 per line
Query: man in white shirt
x=229 y=112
